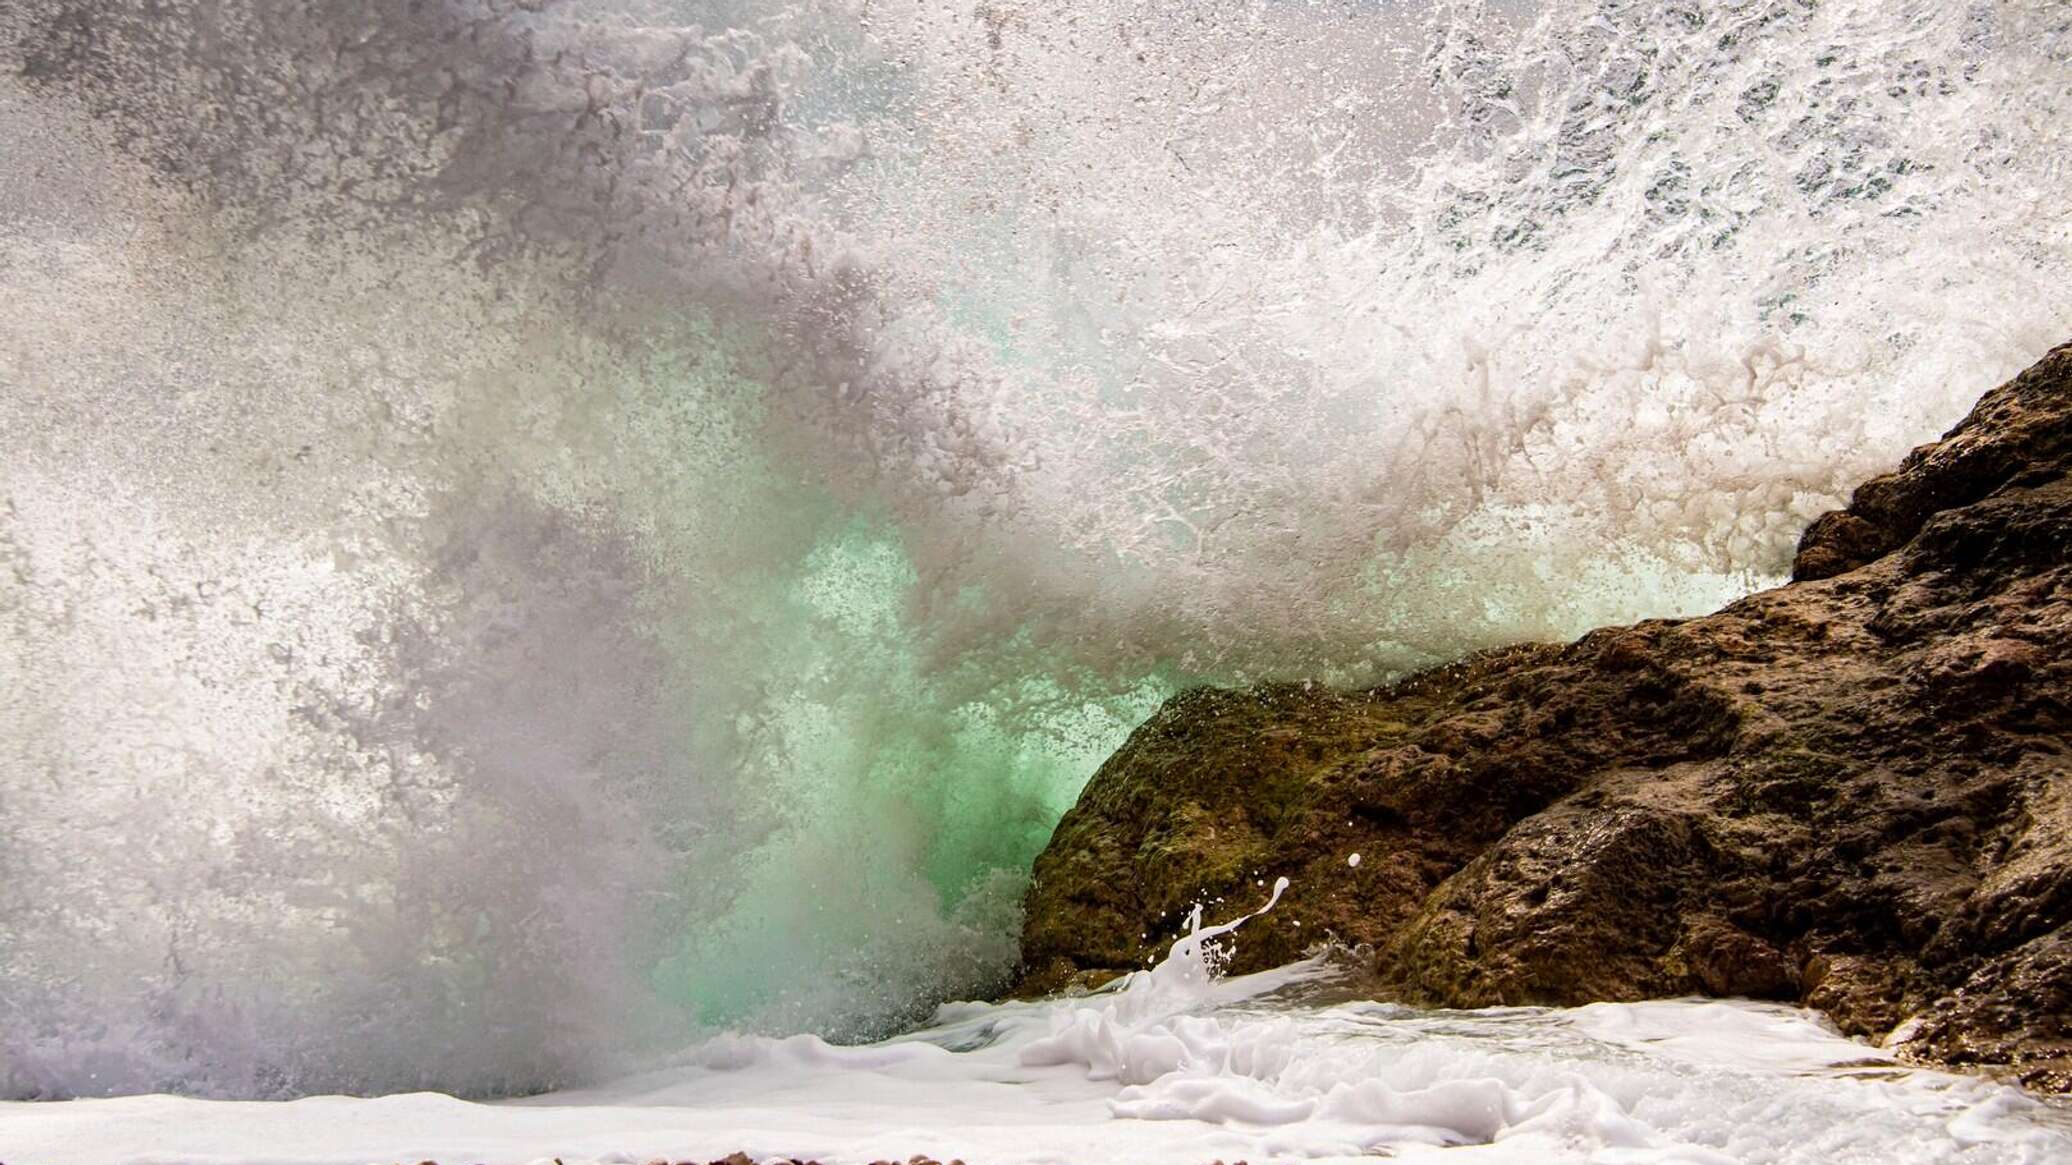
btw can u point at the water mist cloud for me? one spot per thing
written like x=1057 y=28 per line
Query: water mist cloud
x=528 y=528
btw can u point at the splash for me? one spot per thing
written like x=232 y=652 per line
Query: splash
x=1112 y=1040
x=532 y=531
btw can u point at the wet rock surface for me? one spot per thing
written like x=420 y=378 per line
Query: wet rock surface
x=1853 y=791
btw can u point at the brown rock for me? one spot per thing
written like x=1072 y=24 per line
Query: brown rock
x=1854 y=791
x=1727 y=960
x=2015 y=436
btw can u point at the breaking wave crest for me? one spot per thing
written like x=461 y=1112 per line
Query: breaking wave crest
x=531 y=530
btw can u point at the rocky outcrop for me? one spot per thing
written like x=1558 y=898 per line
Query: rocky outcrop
x=1853 y=791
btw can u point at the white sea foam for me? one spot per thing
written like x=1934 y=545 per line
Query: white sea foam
x=1170 y=1066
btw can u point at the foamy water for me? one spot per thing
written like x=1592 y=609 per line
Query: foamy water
x=1171 y=1065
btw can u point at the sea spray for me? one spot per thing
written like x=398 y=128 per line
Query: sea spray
x=531 y=531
